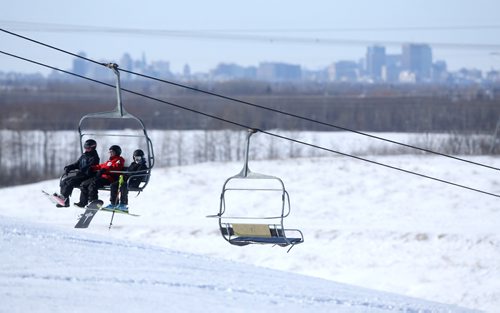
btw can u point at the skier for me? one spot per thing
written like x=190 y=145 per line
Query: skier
x=102 y=176
x=83 y=166
x=137 y=165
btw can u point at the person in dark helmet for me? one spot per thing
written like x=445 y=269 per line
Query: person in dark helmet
x=80 y=171
x=102 y=176
x=137 y=165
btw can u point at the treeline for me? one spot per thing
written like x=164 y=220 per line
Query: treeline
x=56 y=105
x=32 y=155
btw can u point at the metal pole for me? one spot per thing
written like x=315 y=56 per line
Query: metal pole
x=245 y=171
x=119 y=105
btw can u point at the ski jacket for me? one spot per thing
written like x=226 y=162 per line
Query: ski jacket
x=115 y=163
x=85 y=162
x=135 y=167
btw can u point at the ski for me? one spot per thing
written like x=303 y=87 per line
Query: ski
x=53 y=198
x=118 y=211
x=90 y=211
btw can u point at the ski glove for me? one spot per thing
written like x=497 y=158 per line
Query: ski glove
x=99 y=173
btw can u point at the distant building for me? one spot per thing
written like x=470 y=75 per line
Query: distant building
x=141 y=65
x=440 y=71
x=345 y=71
x=375 y=62
x=126 y=62
x=225 y=71
x=493 y=76
x=315 y=75
x=392 y=69
x=417 y=59
x=407 y=77
x=80 y=66
x=160 y=68
x=467 y=76
x=186 y=71
x=278 y=72
x=101 y=72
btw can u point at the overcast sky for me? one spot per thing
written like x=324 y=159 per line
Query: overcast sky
x=313 y=34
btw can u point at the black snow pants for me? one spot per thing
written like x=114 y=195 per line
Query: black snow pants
x=90 y=188
x=68 y=183
x=114 y=193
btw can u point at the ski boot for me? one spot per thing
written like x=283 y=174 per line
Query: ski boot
x=122 y=207
x=110 y=207
x=61 y=199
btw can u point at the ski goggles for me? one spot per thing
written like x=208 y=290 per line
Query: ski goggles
x=138 y=159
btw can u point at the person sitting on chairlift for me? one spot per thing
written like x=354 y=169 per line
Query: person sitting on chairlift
x=103 y=176
x=80 y=171
x=127 y=181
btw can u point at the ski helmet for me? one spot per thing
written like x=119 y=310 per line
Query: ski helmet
x=90 y=144
x=116 y=149
x=138 y=152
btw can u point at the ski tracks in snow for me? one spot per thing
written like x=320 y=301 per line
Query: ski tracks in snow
x=46 y=269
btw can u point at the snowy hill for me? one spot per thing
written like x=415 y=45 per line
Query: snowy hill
x=363 y=225
x=49 y=269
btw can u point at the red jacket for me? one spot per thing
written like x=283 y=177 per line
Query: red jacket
x=115 y=163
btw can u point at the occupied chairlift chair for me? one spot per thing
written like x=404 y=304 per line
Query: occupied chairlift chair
x=241 y=234
x=119 y=113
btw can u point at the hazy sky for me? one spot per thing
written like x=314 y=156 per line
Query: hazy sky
x=311 y=33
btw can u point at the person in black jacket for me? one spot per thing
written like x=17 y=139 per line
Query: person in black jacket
x=83 y=171
x=139 y=166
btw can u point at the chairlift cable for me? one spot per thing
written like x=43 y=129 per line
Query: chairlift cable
x=262 y=131
x=263 y=107
x=52 y=47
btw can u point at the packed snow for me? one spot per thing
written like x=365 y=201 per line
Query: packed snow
x=50 y=269
x=364 y=225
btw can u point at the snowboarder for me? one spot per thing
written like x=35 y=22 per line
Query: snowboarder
x=137 y=165
x=103 y=176
x=83 y=171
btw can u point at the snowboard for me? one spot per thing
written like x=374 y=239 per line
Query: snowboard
x=53 y=198
x=90 y=210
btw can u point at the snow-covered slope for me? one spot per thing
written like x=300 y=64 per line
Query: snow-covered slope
x=363 y=224
x=49 y=269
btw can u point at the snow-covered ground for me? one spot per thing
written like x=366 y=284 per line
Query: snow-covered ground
x=363 y=224
x=49 y=269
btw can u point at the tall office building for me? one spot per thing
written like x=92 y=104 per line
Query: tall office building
x=392 y=68
x=417 y=59
x=375 y=62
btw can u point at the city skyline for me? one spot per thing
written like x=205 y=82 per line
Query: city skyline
x=312 y=34
x=415 y=64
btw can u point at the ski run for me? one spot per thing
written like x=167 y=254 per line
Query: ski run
x=375 y=241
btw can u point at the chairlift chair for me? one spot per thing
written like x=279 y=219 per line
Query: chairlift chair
x=260 y=232
x=119 y=113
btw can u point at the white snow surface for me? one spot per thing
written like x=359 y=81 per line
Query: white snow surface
x=364 y=225
x=49 y=269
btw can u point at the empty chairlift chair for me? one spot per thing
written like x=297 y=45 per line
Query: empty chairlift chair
x=266 y=227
